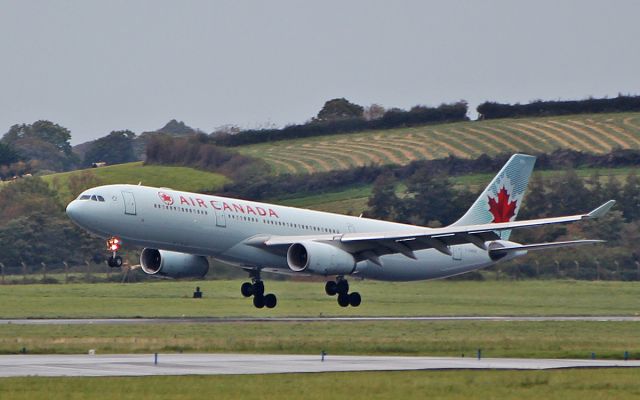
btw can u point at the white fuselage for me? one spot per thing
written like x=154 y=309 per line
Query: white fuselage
x=222 y=227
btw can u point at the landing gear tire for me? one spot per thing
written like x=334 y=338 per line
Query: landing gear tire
x=343 y=299
x=258 y=288
x=246 y=289
x=331 y=288
x=258 y=301
x=114 y=262
x=270 y=300
x=354 y=299
x=342 y=286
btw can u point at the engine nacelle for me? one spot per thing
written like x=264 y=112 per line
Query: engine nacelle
x=319 y=258
x=172 y=264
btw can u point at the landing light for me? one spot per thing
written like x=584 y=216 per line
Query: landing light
x=113 y=244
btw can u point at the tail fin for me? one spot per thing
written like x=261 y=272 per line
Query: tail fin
x=501 y=200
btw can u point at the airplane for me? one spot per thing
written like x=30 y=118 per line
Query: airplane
x=179 y=230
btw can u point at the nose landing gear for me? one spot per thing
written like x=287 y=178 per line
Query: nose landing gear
x=113 y=245
x=341 y=287
x=255 y=288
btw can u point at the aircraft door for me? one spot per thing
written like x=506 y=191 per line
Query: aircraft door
x=129 y=203
x=220 y=219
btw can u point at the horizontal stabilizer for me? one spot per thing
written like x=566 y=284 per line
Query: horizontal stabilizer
x=542 y=246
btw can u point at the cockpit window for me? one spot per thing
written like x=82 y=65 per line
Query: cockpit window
x=100 y=198
x=84 y=197
x=94 y=198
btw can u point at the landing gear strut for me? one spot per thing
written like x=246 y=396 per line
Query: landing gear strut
x=255 y=288
x=341 y=287
x=113 y=245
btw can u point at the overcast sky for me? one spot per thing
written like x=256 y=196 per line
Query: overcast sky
x=98 y=66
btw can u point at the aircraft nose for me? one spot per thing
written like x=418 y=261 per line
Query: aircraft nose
x=72 y=210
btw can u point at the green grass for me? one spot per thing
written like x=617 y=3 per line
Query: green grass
x=222 y=298
x=598 y=134
x=557 y=384
x=179 y=178
x=574 y=339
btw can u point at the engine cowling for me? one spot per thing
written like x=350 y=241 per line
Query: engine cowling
x=319 y=258
x=172 y=264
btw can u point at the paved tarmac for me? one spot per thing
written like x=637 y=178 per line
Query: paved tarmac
x=210 y=320
x=233 y=364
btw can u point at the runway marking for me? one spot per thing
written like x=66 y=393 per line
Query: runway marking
x=235 y=364
x=213 y=320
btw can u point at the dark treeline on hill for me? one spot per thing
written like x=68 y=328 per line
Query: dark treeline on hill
x=492 y=110
x=265 y=187
x=198 y=151
x=349 y=120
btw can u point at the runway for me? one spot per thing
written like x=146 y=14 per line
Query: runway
x=212 y=320
x=234 y=364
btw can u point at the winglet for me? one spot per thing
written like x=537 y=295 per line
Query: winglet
x=602 y=210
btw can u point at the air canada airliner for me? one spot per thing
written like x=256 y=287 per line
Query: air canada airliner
x=179 y=230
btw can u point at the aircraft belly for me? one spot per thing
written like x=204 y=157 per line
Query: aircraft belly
x=430 y=264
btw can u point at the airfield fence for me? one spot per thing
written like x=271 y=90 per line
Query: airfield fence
x=90 y=272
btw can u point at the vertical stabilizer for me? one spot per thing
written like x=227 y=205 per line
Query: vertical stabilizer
x=501 y=200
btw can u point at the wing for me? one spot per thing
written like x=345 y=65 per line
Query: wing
x=372 y=245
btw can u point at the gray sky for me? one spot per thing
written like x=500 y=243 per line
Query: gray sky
x=98 y=66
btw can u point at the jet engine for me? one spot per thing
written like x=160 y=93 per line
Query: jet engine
x=319 y=258
x=172 y=264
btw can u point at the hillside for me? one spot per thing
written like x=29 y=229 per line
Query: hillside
x=593 y=133
x=353 y=200
x=179 y=178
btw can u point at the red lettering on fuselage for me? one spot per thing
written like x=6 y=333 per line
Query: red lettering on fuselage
x=233 y=207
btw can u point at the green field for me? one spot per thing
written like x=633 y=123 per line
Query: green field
x=179 y=178
x=520 y=339
x=222 y=298
x=593 y=133
x=557 y=384
x=353 y=200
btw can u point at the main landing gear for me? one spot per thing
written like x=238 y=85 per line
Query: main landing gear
x=341 y=287
x=113 y=245
x=255 y=288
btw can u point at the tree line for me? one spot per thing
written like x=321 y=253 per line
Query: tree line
x=540 y=108
x=266 y=186
x=341 y=116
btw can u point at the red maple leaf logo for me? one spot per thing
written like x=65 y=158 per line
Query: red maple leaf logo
x=168 y=200
x=502 y=209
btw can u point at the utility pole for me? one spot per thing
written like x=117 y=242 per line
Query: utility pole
x=44 y=271
x=66 y=272
x=577 y=263
x=597 y=270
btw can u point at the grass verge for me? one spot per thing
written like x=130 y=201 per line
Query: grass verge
x=557 y=384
